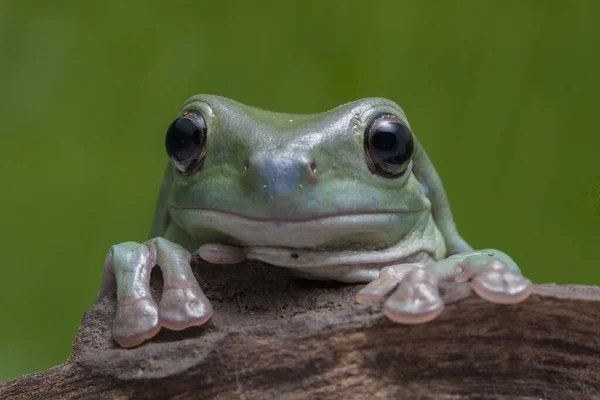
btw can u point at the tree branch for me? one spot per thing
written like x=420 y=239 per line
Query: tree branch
x=273 y=337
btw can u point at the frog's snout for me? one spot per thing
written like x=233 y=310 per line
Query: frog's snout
x=282 y=176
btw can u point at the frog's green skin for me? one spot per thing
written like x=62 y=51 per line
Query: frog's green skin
x=295 y=191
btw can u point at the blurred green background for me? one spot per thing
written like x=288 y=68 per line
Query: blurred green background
x=503 y=95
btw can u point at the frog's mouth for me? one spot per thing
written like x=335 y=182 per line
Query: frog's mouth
x=369 y=229
x=329 y=240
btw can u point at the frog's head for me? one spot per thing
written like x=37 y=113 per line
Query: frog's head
x=341 y=178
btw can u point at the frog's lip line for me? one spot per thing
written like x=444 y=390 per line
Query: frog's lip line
x=301 y=220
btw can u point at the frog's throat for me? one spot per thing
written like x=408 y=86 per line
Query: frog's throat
x=415 y=251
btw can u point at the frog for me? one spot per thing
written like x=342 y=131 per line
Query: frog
x=347 y=195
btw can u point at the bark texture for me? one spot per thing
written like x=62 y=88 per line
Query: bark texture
x=274 y=337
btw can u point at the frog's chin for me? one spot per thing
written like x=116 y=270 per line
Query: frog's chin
x=363 y=241
x=342 y=266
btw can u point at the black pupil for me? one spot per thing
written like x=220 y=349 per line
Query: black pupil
x=391 y=143
x=184 y=139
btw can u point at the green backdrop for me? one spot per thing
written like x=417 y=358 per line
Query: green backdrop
x=504 y=96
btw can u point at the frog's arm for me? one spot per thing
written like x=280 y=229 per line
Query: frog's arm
x=127 y=272
x=161 y=214
x=426 y=174
x=415 y=297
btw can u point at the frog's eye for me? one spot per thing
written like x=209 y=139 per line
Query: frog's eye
x=186 y=142
x=388 y=145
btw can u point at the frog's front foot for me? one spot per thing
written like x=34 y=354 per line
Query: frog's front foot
x=494 y=276
x=127 y=269
x=415 y=298
x=414 y=290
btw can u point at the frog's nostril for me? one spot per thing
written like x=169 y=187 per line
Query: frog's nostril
x=278 y=176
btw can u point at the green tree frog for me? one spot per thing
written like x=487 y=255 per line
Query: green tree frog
x=347 y=195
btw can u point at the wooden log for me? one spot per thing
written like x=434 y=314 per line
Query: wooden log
x=273 y=337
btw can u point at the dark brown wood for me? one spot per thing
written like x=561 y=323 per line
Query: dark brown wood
x=273 y=337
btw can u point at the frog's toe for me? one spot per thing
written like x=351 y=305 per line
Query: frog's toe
x=135 y=322
x=416 y=300
x=215 y=253
x=385 y=283
x=497 y=284
x=181 y=308
x=376 y=290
